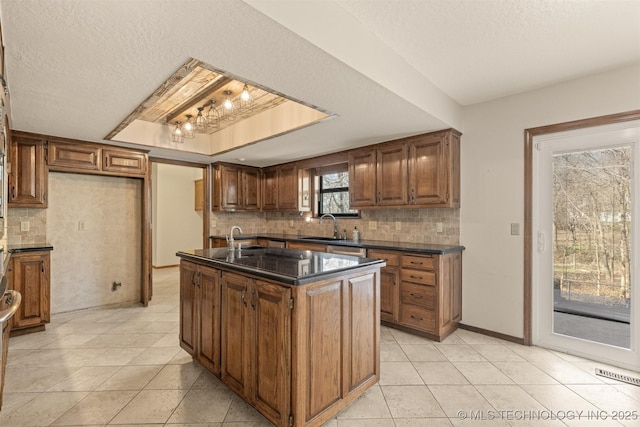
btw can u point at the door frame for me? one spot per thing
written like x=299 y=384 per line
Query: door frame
x=529 y=135
x=147 y=224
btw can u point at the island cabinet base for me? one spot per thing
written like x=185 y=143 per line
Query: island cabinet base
x=336 y=343
x=297 y=353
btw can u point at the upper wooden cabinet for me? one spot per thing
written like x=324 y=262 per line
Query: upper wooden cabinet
x=434 y=169
x=288 y=187
x=32 y=156
x=28 y=176
x=391 y=174
x=236 y=188
x=82 y=157
x=362 y=178
x=74 y=156
x=270 y=189
x=420 y=171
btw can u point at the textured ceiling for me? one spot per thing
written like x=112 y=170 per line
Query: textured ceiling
x=387 y=68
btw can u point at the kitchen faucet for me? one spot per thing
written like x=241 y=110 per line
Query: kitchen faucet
x=335 y=225
x=231 y=240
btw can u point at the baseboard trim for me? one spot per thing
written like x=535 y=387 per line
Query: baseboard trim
x=160 y=267
x=492 y=333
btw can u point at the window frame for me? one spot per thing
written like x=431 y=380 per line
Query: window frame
x=319 y=193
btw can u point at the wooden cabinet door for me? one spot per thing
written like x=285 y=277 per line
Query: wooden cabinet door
x=363 y=324
x=124 y=162
x=389 y=283
x=251 y=189
x=391 y=175
x=28 y=176
x=362 y=178
x=270 y=189
x=389 y=293
x=428 y=170
x=271 y=361
x=236 y=340
x=73 y=156
x=231 y=187
x=188 y=278
x=29 y=275
x=288 y=187
x=208 y=349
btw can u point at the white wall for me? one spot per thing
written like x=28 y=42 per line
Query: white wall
x=85 y=262
x=493 y=186
x=176 y=225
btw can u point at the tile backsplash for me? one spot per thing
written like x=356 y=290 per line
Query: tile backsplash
x=37 y=219
x=396 y=225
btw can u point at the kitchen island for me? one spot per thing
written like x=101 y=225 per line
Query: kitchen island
x=294 y=333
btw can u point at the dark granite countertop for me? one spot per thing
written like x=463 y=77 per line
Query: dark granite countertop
x=425 y=248
x=29 y=247
x=288 y=266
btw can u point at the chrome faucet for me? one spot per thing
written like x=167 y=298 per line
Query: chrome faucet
x=335 y=225
x=231 y=239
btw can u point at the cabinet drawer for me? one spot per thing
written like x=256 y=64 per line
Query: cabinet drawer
x=418 y=317
x=392 y=258
x=427 y=262
x=424 y=296
x=123 y=162
x=74 y=156
x=418 y=276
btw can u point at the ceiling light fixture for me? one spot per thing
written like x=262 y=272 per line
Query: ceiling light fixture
x=176 y=135
x=201 y=122
x=213 y=115
x=189 y=129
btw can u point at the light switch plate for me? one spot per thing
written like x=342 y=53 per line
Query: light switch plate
x=398 y=226
x=515 y=229
x=373 y=225
x=24 y=226
x=439 y=227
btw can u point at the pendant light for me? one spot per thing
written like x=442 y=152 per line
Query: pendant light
x=228 y=109
x=176 y=135
x=189 y=129
x=246 y=100
x=213 y=115
x=200 y=123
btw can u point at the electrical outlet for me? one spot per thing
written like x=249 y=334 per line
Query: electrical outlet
x=24 y=226
x=373 y=225
x=398 y=226
x=213 y=224
x=291 y=223
x=80 y=225
x=515 y=229
x=439 y=227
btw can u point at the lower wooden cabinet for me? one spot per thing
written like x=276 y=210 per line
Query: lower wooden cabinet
x=200 y=313
x=256 y=343
x=389 y=283
x=29 y=274
x=421 y=293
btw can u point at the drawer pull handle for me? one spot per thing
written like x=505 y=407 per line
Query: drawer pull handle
x=244 y=292
x=417 y=296
x=416 y=277
x=417 y=262
x=416 y=317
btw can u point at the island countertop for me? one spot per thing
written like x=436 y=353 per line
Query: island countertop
x=288 y=266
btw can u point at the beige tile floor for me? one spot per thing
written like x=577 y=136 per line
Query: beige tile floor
x=123 y=366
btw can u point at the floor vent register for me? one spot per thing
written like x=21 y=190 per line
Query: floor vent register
x=618 y=377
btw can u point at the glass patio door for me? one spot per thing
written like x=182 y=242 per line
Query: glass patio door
x=586 y=243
